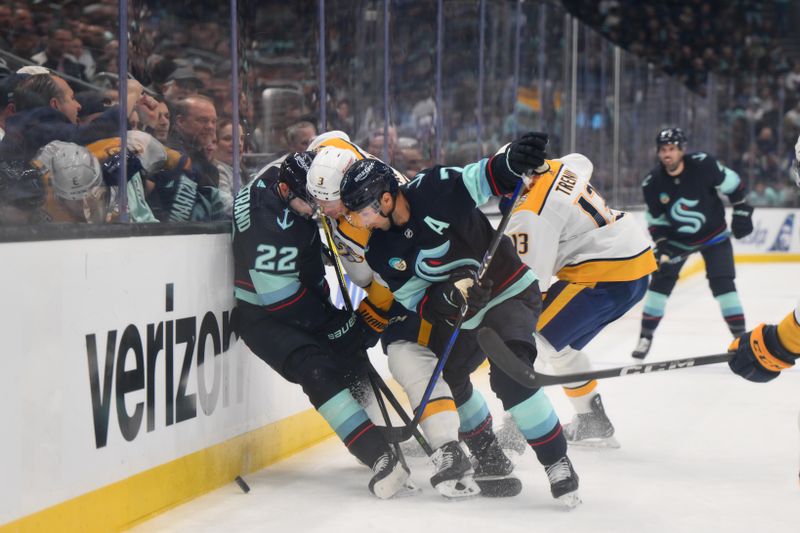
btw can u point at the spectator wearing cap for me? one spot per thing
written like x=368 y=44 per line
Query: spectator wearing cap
x=181 y=83
x=55 y=56
x=7 y=107
x=46 y=110
x=194 y=128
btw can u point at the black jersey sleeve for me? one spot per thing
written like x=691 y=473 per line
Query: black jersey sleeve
x=726 y=180
x=657 y=221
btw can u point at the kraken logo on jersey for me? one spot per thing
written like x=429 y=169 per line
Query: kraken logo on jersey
x=681 y=212
x=430 y=267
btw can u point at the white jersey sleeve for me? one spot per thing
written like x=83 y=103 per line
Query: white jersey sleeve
x=572 y=234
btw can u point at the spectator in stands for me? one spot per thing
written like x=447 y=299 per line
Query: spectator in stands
x=93 y=104
x=223 y=158
x=194 y=129
x=46 y=110
x=375 y=144
x=299 y=135
x=5 y=26
x=410 y=160
x=162 y=126
x=55 y=56
x=7 y=107
x=181 y=83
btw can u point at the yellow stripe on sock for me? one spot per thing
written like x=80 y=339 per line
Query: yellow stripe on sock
x=582 y=390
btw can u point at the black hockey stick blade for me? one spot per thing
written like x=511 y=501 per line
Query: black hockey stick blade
x=523 y=373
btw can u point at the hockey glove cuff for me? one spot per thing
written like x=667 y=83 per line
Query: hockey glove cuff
x=742 y=221
x=759 y=356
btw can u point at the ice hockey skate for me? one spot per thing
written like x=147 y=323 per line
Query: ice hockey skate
x=453 y=478
x=563 y=482
x=592 y=429
x=391 y=478
x=642 y=348
x=493 y=471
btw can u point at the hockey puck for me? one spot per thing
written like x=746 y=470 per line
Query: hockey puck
x=242 y=484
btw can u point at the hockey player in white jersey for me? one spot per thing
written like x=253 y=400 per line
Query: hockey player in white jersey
x=593 y=264
x=410 y=362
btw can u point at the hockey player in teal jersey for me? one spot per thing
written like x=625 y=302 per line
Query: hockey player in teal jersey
x=427 y=243
x=285 y=316
x=685 y=215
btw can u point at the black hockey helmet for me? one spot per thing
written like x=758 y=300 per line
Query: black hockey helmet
x=293 y=173
x=365 y=182
x=21 y=184
x=671 y=136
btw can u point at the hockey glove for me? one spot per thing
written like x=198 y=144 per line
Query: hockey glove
x=445 y=300
x=523 y=156
x=372 y=320
x=343 y=332
x=742 y=221
x=759 y=356
x=668 y=253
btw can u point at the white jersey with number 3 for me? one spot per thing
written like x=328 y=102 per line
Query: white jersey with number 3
x=563 y=228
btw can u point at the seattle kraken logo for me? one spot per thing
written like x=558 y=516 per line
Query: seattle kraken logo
x=681 y=212
x=285 y=223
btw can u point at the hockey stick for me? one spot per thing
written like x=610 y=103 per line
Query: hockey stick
x=524 y=374
x=680 y=257
x=402 y=434
x=375 y=379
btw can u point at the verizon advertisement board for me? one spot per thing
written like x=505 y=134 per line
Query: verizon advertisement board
x=118 y=357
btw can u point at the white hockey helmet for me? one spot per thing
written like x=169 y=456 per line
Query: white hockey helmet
x=326 y=172
x=149 y=150
x=73 y=169
x=317 y=141
x=578 y=163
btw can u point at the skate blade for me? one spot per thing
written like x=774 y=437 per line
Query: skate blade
x=570 y=500
x=499 y=487
x=608 y=442
x=408 y=490
x=459 y=489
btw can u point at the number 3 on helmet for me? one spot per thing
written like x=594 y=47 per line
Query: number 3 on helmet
x=325 y=173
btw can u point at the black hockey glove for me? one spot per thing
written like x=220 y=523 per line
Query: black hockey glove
x=343 y=333
x=668 y=253
x=759 y=356
x=445 y=300
x=742 y=221
x=523 y=156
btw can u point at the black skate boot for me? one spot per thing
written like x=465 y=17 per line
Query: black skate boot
x=563 y=482
x=642 y=348
x=453 y=477
x=591 y=429
x=391 y=477
x=492 y=467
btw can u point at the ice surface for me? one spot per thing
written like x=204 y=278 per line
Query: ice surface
x=702 y=449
